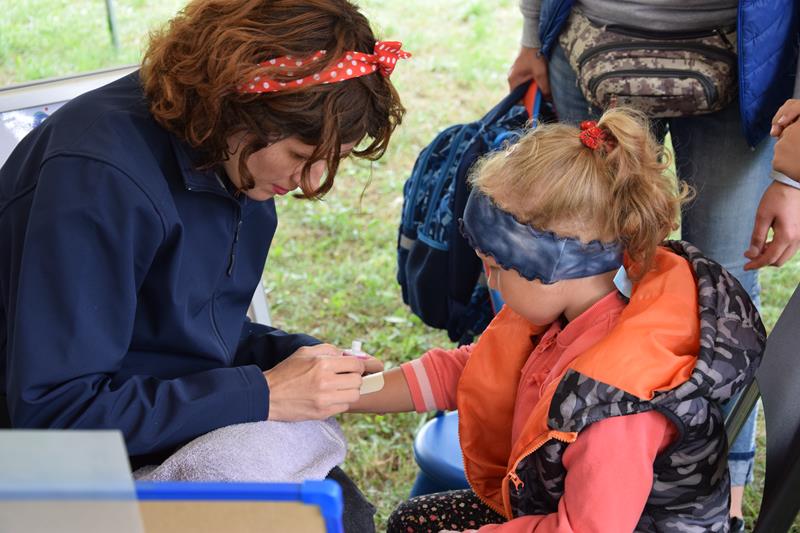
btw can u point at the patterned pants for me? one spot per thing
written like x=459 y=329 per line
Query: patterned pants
x=455 y=510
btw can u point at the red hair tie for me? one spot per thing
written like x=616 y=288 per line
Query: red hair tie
x=351 y=65
x=595 y=137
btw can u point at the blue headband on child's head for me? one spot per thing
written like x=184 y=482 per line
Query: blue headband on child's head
x=534 y=254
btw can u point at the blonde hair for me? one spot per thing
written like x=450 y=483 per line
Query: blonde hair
x=619 y=191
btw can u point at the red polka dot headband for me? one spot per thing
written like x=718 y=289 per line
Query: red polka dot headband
x=351 y=65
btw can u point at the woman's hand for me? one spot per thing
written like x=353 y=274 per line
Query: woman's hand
x=314 y=383
x=529 y=65
x=371 y=364
x=787 y=152
x=780 y=210
x=787 y=114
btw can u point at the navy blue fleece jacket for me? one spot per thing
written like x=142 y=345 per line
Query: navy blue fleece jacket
x=125 y=276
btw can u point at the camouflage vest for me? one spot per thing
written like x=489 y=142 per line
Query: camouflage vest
x=691 y=485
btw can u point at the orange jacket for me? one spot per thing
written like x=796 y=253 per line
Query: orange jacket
x=653 y=348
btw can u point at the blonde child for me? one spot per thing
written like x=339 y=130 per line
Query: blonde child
x=589 y=404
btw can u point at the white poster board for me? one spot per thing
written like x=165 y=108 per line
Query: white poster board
x=69 y=481
x=25 y=106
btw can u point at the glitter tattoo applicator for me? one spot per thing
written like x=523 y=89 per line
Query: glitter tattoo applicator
x=371 y=382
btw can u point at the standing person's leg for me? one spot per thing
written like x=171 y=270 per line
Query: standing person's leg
x=571 y=106
x=729 y=178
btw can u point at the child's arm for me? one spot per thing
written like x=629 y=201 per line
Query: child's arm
x=425 y=384
x=609 y=477
x=394 y=397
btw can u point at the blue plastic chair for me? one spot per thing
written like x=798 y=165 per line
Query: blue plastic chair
x=437 y=449
x=438 y=455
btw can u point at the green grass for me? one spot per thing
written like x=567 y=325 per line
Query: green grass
x=331 y=270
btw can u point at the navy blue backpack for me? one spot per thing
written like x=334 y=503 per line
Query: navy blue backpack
x=437 y=270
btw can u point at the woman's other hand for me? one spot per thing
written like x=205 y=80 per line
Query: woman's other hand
x=314 y=383
x=780 y=210
x=786 y=115
x=529 y=65
x=372 y=365
x=787 y=152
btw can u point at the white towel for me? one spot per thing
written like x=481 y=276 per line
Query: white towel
x=258 y=452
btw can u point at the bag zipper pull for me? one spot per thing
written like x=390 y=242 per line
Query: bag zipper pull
x=725 y=39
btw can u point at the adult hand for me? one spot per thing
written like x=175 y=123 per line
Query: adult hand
x=372 y=365
x=786 y=159
x=529 y=65
x=787 y=114
x=313 y=383
x=780 y=210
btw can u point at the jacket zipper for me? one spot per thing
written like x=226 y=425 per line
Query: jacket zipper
x=232 y=258
x=704 y=49
x=708 y=88
x=233 y=245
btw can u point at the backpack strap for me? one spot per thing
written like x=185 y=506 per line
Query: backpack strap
x=533 y=103
x=527 y=91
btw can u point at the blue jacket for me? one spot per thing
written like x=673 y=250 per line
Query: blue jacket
x=125 y=276
x=768 y=50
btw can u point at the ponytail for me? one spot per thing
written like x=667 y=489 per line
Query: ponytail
x=606 y=182
x=644 y=202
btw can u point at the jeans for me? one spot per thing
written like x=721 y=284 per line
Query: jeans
x=728 y=177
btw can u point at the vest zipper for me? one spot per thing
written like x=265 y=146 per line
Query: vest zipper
x=487 y=503
x=518 y=483
x=512 y=474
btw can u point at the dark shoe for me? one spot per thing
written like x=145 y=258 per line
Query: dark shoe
x=737 y=525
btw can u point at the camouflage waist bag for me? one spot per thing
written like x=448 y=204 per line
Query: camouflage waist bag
x=660 y=74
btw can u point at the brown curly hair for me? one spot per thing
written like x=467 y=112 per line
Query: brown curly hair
x=192 y=67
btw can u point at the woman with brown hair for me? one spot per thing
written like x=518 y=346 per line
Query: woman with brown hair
x=136 y=222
